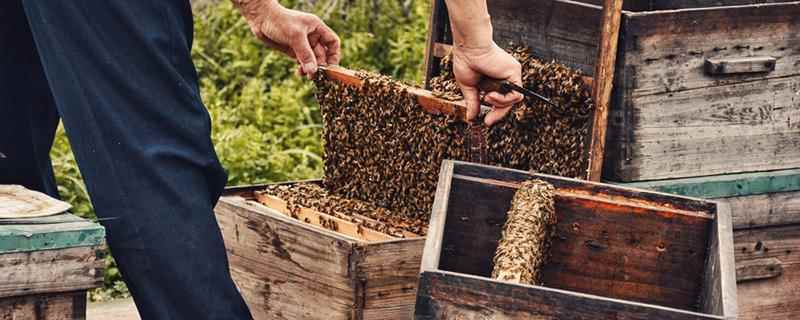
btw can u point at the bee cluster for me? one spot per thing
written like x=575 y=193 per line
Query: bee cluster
x=537 y=136
x=382 y=147
x=525 y=242
x=313 y=196
x=383 y=150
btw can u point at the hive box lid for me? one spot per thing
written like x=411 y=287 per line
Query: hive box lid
x=632 y=253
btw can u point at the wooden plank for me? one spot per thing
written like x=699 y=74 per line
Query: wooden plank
x=761 y=64
x=758 y=269
x=656 y=260
x=438 y=24
x=718 y=295
x=287 y=269
x=49 y=233
x=770 y=298
x=322 y=220
x=644 y=197
x=446 y=295
x=389 y=272
x=433 y=242
x=773 y=209
x=60 y=270
x=728 y=185
x=51 y=306
x=755 y=123
x=604 y=83
x=425 y=98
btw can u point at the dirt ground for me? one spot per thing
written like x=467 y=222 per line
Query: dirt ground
x=121 y=309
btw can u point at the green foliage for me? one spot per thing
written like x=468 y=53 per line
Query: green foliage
x=266 y=123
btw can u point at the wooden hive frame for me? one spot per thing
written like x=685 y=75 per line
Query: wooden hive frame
x=619 y=253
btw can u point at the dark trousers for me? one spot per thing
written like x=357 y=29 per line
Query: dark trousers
x=120 y=75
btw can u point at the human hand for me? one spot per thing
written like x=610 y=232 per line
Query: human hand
x=300 y=35
x=471 y=64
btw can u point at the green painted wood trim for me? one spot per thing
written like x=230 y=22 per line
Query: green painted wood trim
x=49 y=233
x=722 y=186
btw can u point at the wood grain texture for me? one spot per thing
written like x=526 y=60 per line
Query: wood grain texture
x=718 y=294
x=650 y=248
x=60 y=270
x=390 y=271
x=604 y=83
x=760 y=64
x=670 y=119
x=285 y=269
x=775 y=297
x=446 y=295
x=772 y=209
x=50 y=306
x=758 y=269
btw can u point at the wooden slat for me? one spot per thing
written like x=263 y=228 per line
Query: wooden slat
x=725 y=186
x=718 y=295
x=425 y=98
x=604 y=83
x=740 y=65
x=758 y=269
x=773 y=209
x=390 y=271
x=776 y=297
x=435 y=234
x=50 y=306
x=322 y=220
x=445 y=295
x=60 y=270
x=287 y=269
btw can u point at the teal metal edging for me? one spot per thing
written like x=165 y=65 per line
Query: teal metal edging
x=723 y=186
x=49 y=233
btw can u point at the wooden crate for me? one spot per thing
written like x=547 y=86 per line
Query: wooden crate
x=290 y=269
x=46 y=266
x=618 y=253
x=766 y=220
x=697 y=83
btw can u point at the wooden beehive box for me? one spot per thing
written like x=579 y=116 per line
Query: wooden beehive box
x=697 y=84
x=765 y=208
x=46 y=266
x=290 y=269
x=618 y=253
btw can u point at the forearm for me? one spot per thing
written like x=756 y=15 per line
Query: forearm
x=254 y=8
x=471 y=23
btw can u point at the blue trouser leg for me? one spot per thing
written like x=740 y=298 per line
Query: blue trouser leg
x=28 y=116
x=123 y=82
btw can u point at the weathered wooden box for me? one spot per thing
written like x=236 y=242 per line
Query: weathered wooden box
x=618 y=253
x=289 y=269
x=697 y=85
x=46 y=266
x=766 y=220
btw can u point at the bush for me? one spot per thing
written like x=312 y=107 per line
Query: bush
x=266 y=122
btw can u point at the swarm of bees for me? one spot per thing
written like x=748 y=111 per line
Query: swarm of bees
x=537 y=136
x=382 y=148
x=525 y=242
